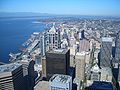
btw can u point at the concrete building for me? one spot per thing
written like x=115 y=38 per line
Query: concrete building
x=64 y=44
x=117 y=55
x=117 y=46
x=95 y=73
x=28 y=73
x=52 y=38
x=11 y=77
x=43 y=43
x=80 y=65
x=84 y=45
x=60 y=82
x=43 y=67
x=106 y=74
x=100 y=85
x=57 y=62
x=106 y=51
x=42 y=85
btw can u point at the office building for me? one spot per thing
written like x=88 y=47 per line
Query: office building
x=117 y=47
x=117 y=55
x=84 y=45
x=106 y=51
x=57 y=62
x=11 y=77
x=28 y=73
x=60 y=82
x=106 y=74
x=43 y=67
x=82 y=34
x=100 y=85
x=95 y=73
x=80 y=65
x=64 y=44
x=52 y=38
x=72 y=40
x=43 y=43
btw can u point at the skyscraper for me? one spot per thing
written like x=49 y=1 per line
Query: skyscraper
x=106 y=51
x=43 y=43
x=117 y=46
x=57 y=62
x=80 y=65
x=117 y=53
x=52 y=38
x=11 y=77
x=28 y=73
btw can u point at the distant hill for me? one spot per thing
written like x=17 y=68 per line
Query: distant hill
x=31 y=14
x=22 y=14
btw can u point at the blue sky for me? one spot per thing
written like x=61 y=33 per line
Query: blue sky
x=72 y=7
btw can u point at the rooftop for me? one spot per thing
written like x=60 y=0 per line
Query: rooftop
x=42 y=85
x=58 y=51
x=84 y=45
x=9 y=67
x=106 y=39
x=59 y=78
x=106 y=70
x=101 y=85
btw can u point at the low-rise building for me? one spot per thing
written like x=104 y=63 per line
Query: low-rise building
x=60 y=82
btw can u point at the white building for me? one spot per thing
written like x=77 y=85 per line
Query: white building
x=80 y=65
x=64 y=43
x=106 y=74
x=95 y=73
x=52 y=38
x=60 y=82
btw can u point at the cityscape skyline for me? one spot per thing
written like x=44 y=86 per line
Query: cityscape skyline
x=64 y=7
x=60 y=45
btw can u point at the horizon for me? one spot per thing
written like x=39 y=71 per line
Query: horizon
x=36 y=14
x=63 y=7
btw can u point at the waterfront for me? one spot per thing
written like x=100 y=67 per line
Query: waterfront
x=14 y=32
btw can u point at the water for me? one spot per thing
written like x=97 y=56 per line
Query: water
x=14 y=32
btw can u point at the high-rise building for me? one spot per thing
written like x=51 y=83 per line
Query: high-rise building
x=84 y=45
x=11 y=77
x=28 y=73
x=72 y=40
x=43 y=67
x=106 y=51
x=117 y=46
x=57 y=62
x=117 y=54
x=60 y=82
x=43 y=43
x=53 y=38
x=100 y=85
x=82 y=34
x=80 y=65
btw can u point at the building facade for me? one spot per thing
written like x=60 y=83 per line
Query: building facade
x=80 y=65
x=106 y=52
x=43 y=43
x=117 y=54
x=11 y=77
x=28 y=73
x=52 y=38
x=57 y=62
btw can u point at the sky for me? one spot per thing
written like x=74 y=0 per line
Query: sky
x=64 y=7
